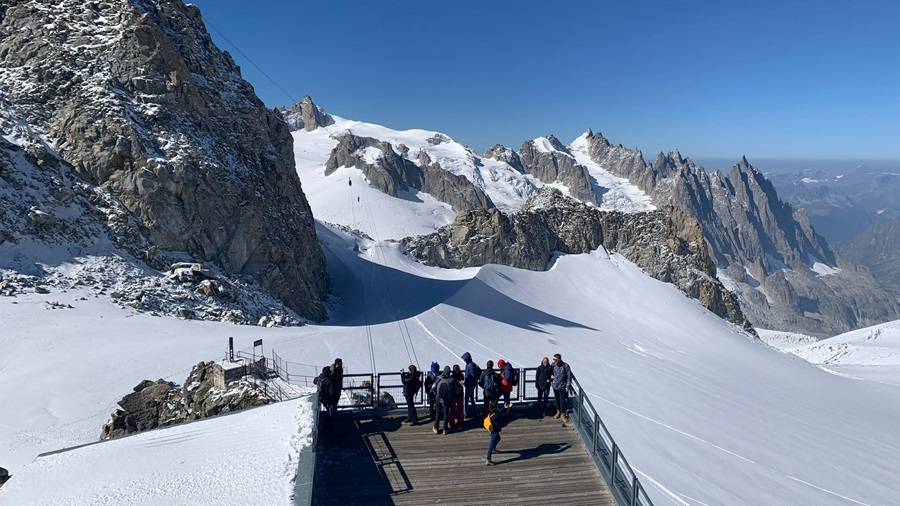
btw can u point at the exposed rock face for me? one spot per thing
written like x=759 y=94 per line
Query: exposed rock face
x=160 y=403
x=667 y=244
x=765 y=247
x=391 y=172
x=878 y=249
x=504 y=154
x=306 y=115
x=138 y=99
x=558 y=165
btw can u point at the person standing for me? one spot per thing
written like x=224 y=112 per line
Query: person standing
x=493 y=423
x=457 y=418
x=542 y=384
x=337 y=383
x=561 y=382
x=443 y=388
x=323 y=383
x=430 y=379
x=506 y=382
x=411 y=385
x=470 y=381
x=490 y=385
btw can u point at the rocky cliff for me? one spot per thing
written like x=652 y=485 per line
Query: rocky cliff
x=388 y=169
x=549 y=161
x=134 y=95
x=667 y=244
x=786 y=275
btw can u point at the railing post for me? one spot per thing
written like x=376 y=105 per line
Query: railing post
x=580 y=404
x=377 y=388
x=634 y=490
x=612 y=462
x=596 y=432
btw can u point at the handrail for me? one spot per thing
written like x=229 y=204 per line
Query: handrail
x=607 y=455
x=605 y=452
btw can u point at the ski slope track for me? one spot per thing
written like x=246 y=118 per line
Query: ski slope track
x=702 y=410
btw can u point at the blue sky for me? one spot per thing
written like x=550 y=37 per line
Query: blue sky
x=817 y=79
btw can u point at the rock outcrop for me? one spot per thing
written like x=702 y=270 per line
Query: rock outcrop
x=306 y=115
x=549 y=161
x=766 y=250
x=878 y=249
x=667 y=244
x=139 y=100
x=504 y=154
x=160 y=403
x=388 y=169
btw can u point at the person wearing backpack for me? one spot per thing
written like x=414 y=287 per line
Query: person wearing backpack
x=443 y=389
x=490 y=384
x=430 y=379
x=457 y=419
x=542 y=385
x=493 y=423
x=411 y=385
x=561 y=381
x=470 y=380
x=506 y=382
x=324 y=384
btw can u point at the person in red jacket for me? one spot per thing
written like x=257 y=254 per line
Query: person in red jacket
x=506 y=381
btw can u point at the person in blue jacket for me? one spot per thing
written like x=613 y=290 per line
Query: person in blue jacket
x=470 y=382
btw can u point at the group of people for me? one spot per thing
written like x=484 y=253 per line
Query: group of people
x=450 y=393
x=330 y=383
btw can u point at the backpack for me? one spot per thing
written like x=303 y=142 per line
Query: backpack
x=429 y=382
x=490 y=383
x=489 y=423
x=515 y=377
x=444 y=390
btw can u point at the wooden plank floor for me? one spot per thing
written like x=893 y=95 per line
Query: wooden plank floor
x=381 y=461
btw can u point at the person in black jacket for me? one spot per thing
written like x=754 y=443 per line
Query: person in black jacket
x=324 y=382
x=411 y=385
x=337 y=383
x=542 y=385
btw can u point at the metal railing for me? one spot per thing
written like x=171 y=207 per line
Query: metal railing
x=606 y=453
x=371 y=391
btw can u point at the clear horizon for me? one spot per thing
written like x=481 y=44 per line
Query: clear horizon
x=806 y=80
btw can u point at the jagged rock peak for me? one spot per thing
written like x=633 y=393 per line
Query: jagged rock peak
x=559 y=146
x=597 y=137
x=306 y=115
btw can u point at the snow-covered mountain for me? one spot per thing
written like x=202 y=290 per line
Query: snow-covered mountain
x=871 y=353
x=500 y=174
x=786 y=275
